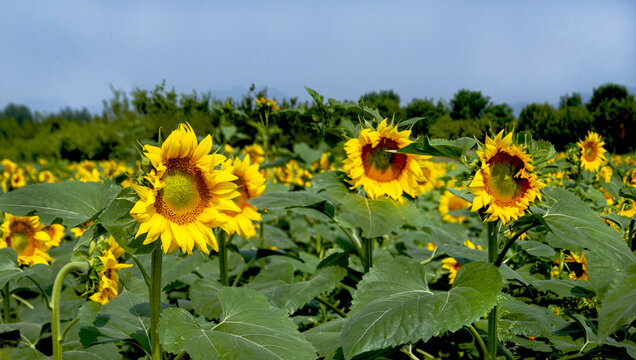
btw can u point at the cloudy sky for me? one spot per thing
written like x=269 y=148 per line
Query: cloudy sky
x=69 y=53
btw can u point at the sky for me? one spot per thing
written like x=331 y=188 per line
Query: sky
x=70 y=53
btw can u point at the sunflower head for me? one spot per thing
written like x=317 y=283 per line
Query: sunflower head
x=577 y=265
x=505 y=184
x=250 y=184
x=592 y=152
x=183 y=195
x=108 y=287
x=27 y=237
x=370 y=163
x=452 y=266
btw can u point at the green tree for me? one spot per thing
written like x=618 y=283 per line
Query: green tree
x=21 y=113
x=568 y=100
x=428 y=110
x=606 y=93
x=467 y=104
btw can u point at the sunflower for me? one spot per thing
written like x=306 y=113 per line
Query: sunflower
x=592 y=152
x=256 y=153
x=370 y=164
x=450 y=202
x=108 y=287
x=56 y=233
x=630 y=178
x=432 y=173
x=27 y=237
x=452 y=266
x=251 y=184
x=505 y=183
x=577 y=265
x=186 y=194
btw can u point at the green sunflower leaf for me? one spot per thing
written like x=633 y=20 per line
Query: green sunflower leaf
x=574 y=226
x=376 y=217
x=394 y=305
x=454 y=149
x=69 y=203
x=326 y=337
x=617 y=309
x=251 y=328
x=277 y=284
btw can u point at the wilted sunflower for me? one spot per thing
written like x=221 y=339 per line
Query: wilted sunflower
x=27 y=237
x=108 y=287
x=450 y=202
x=251 y=184
x=380 y=172
x=505 y=183
x=186 y=193
x=592 y=152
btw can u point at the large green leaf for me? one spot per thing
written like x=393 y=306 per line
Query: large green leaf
x=394 y=305
x=9 y=269
x=326 y=337
x=515 y=317
x=454 y=149
x=127 y=317
x=375 y=217
x=204 y=295
x=277 y=284
x=618 y=307
x=286 y=200
x=574 y=226
x=251 y=328
x=69 y=203
x=117 y=221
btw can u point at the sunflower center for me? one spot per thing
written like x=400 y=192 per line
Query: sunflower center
x=19 y=241
x=180 y=191
x=185 y=194
x=590 y=151
x=506 y=187
x=380 y=164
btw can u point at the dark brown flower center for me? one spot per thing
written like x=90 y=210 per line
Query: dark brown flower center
x=380 y=164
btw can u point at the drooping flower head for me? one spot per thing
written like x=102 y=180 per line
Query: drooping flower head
x=251 y=184
x=185 y=195
x=592 y=152
x=27 y=237
x=505 y=184
x=108 y=287
x=370 y=164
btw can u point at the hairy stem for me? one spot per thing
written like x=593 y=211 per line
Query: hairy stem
x=506 y=247
x=155 y=302
x=80 y=266
x=493 y=246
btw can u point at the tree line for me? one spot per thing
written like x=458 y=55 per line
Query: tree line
x=127 y=118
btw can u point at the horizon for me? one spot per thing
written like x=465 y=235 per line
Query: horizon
x=70 y=53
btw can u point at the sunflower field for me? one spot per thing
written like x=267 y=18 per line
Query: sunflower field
x=372 y=244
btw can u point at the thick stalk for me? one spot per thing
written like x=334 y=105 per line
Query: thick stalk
x=482 y=347
x=155 y=302
x=80 y=266
x=5 y=303
x=223 y=269
x=368 y=254
x=492 y=316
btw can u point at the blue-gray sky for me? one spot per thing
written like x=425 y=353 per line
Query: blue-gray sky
x=60 y=53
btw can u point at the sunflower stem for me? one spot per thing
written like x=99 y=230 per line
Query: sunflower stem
x=223 y=258
x=141 y=267
x=493 y=246
x=482 y=347
x=80 y=266
x=261 y=243
x=5 y=304
x=506 y=247
x=155 y=301
x=368 y=254
x=42 y=292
